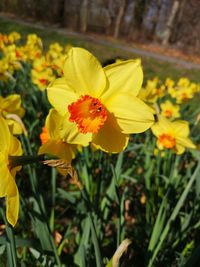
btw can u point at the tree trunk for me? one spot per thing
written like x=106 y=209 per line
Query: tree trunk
x=84 y=16
x=150 y=19
x=170 y=21
x=119 y=18
x=165 y=10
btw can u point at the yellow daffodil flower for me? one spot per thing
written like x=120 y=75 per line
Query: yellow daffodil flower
x=169 y=83
x=55 y=57
x=4 y=70
x=41 y=73
x=184 y=94
x=34 y=40
x=13 y=37
x=12 y=111
x=170 y=110
x=172 y=135
x=101 y=103
x=42 y=78
x=57 y=64
x=183 y=90
x=52 y=141
x=151 y=92
x=3 y=40
x=194 y=87
x=33 y=47
x=40 y=64
x=51 y=138
x=183 y=82
x=11 y=58
x=54 y=51
x=9 y=146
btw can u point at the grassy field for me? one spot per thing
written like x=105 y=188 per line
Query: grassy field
x=104 y=53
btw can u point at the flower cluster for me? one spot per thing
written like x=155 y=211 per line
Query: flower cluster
x=180 y=92
x=13 y=54
x=167 y=100
x=45 y=66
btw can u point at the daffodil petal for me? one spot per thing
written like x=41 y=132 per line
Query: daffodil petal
x=60 y=95
x=4 y=176
x=133 y=115
x=70 y=133
x=124 y=77
x=185 y=141
x=15 y=148
x=4 y=135
x=8 y=189
x=181 y=128
x=180 y=149
x=12 y=104
x=159 y=145
x=53 y=124
x=59 y=149
x=14 y=126
x=12 y=203
x=110 y=138
x=83 y=73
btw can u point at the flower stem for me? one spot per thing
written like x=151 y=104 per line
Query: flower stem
x=23 y=160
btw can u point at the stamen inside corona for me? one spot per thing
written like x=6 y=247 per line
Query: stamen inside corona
x=88 y=113
x=167 y=141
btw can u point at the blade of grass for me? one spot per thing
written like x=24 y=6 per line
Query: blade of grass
x=83 y=243
x=11 y=247
x=98 y=256
x=9 y=242
x=159 y=223
x=53 y=198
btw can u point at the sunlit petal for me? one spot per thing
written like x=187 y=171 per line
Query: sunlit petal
x=181 y=128
x=12 y=203
x=53 y=124
x=185 y=141
x=15 y=148
x=60 y=95
x=180 y=149
x=4 y=135
x=83 y=73
x=59 y=149
x=124 y=77
x=12 y=104
x=133 y=115
x=110 y=138
x=4 y=176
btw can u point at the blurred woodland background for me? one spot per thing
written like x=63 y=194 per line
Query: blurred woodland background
x=168 y=22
